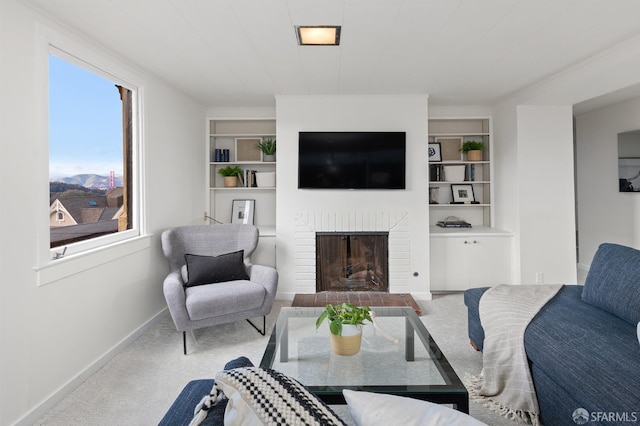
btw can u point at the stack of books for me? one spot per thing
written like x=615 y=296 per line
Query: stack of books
x=453 y=223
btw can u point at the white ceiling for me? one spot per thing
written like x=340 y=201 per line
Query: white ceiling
x=244 y=52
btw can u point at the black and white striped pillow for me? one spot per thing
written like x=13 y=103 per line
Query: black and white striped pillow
x=267 y=397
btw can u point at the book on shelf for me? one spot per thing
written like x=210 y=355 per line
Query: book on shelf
x=249 y=179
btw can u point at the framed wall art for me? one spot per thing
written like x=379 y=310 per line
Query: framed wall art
x=462 y=193
x=435 y=153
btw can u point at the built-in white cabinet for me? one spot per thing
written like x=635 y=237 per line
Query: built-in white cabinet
x=232 y=143
x=461 y=187
x=462 y=260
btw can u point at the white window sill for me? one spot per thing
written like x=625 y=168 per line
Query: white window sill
x=58 y=269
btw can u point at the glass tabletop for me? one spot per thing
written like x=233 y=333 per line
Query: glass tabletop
x=391 y=359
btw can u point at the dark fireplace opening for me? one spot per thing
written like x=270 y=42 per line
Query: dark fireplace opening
x=352 y=261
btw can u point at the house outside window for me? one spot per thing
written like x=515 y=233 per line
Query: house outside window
x=93 y=152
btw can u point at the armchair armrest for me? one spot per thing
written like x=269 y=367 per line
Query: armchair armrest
x=173 y=288
x=266 y=276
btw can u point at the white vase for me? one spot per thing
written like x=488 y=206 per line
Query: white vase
x=454 y=173
x=266 y=179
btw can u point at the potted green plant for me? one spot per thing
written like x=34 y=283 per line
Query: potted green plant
x=230 y=174
x=268 y=148
x=473 y=149
x=345 y=324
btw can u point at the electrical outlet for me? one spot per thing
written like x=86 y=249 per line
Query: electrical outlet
x=539 y=277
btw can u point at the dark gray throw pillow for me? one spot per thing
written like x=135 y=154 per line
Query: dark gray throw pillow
x=215 y=269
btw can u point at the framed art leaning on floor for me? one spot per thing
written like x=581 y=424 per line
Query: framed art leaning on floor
x=242 y=211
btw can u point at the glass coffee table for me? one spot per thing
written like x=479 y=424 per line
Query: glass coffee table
x=412 y=367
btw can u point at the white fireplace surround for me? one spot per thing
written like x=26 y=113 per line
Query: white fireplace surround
x=306 y=224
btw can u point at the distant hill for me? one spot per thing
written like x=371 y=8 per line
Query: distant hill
x=91 y=181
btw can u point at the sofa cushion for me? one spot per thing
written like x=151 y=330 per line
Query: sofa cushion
x=373 y=409
x=207 y=301
x=215 y=269
x=613 y=282
x=258 y=397
x=588 y=352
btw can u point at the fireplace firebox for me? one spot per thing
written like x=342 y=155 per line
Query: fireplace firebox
x=352 y=261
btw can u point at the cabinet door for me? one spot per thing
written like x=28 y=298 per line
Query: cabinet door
x=489 y=261
x=449 y=264
x=459 y=263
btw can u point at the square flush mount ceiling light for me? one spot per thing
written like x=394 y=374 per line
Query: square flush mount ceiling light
x=320 y=35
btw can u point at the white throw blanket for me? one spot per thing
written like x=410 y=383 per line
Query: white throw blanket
x=505 y=383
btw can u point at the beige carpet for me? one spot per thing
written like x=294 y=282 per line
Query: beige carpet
x=139 y=384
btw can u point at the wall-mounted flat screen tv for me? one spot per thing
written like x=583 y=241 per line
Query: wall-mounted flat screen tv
x=351 y=160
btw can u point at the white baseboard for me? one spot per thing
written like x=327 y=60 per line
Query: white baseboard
x=41 y=409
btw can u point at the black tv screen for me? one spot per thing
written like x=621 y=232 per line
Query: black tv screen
x=351 y=160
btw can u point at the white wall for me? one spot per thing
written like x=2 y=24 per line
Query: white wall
x=546 y=194
x=604 y=213
x=610 y=71
x=52 y=336
x=337 y=113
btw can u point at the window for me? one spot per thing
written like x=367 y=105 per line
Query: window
x=92 y=148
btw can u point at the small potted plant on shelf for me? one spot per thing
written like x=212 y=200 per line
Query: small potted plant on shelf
x=268 y=148
x=473 y=149
x=345 y=324
x=230 y=174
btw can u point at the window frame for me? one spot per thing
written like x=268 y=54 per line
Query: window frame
x=91 y=59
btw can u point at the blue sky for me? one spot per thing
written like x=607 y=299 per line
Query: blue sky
x=85 y=122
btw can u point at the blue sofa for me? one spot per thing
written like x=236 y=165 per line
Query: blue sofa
x=582 y=346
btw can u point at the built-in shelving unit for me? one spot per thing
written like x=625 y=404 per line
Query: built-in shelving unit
x=453 y=171
x=462 y=258
x=232 y=142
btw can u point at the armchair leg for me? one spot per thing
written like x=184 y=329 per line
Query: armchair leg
x=184 y=342
x=264 y=326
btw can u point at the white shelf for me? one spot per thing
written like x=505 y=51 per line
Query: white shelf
x=244 y=188
x=450 y=162
x=241 y=135
x=447 y=135
x=246 y=163
x=442 y=182
x=458 y=205
x=473 y=231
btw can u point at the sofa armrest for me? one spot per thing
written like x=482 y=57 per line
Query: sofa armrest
x=474 y=327
x=173 y=288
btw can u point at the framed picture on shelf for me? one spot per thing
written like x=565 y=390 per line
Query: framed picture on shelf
x=242 y=211
x=462 y=193
x=435 y=153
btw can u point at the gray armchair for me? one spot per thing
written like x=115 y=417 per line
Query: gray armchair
x=205 y=304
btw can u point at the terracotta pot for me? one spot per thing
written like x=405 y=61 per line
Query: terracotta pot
x=230 y=181
x=349 y=343
x=474 y=155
